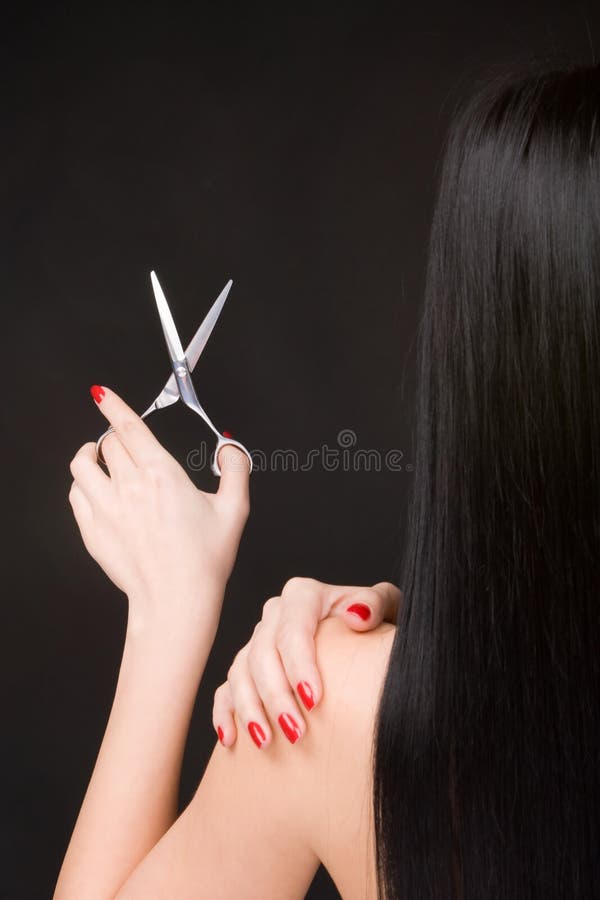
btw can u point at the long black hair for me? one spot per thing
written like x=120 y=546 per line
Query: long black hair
x=486 y=757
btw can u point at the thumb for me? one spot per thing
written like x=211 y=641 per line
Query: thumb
x=235 y=476
x=367 y=607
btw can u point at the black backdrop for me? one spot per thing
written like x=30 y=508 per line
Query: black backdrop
x=293 y=151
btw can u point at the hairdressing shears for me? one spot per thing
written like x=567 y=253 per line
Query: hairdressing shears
x=180 y=383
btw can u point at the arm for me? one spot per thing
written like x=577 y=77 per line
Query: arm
x=157 y=537
x=132 y=797
x=259 y=823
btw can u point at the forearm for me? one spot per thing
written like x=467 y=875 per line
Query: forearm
x=132 y=797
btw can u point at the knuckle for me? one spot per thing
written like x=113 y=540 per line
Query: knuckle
x=293 y=584
x=270 y=606
x=219 y=695
x=255 y=657
x=258 y=647
x=234 y=668
x=74 y=463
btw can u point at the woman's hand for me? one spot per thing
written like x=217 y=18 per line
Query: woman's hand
x=146 y=524
x=278 y=663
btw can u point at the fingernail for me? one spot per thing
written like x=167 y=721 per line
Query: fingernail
x=290 y=727
x=220 y=733
x=256 y=733
x=227 y=434
x=306 y=694
x=360 y=609
x=97 y=392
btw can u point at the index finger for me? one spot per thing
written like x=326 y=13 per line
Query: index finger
x=133 y=432
x=299 y=617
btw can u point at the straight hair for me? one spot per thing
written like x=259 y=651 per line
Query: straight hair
x=486 y=754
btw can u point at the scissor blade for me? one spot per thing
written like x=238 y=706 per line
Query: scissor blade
x=170 y=392
x=198 y=342
x=166 y=320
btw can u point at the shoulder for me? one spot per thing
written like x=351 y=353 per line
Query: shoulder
x=341 y=731
x=311 y=802
x=262 y=820
x=345 y=654
x=353 y=666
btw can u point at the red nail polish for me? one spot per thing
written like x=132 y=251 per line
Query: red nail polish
x=360 y=609
x=220 y=733
x=306 y=694
x=290 y=727
x=256 y=733
x=227 y=434
x=97 y=392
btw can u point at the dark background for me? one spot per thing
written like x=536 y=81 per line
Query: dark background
x=292 y=150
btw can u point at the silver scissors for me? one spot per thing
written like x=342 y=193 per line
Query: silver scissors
x=180 y=383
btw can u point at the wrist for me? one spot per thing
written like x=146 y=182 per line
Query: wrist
x=173 y=613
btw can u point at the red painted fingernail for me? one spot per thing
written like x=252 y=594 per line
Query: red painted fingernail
x=227 y=434
x=290 y=727
x=97 y=392
x=306 y=694
x=220 y=733
x=360 y=609
x=256 y=733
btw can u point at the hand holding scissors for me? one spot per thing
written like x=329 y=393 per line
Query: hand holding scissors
x=179 y=384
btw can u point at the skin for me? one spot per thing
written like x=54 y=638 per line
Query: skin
x=170 y=548
x=266 y=673
x=259 y=823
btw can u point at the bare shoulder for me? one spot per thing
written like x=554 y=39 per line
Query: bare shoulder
x=262 y=820
x=353 y=667
x=350 y=659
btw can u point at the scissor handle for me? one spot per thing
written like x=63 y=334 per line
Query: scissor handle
x=188 y=395
x=214 y=466
x=99 y=454
x=221 y=441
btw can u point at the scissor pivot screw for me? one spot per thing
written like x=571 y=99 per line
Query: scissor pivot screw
x=181 y=371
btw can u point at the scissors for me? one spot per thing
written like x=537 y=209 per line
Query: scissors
x=180 y=383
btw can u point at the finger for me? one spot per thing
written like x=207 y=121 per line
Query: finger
x=392 y=598
x=235 y=477
x=267 y=670
x=304 y=605
x=364 y=608
x=92 y=481
x=272 y=683
x=222 y=716
x=135 y=435
x=247 y=703
x=118 y=459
